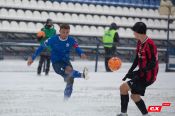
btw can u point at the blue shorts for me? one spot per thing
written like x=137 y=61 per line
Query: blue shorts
x=59 y=67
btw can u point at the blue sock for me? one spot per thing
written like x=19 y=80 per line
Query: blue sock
x=68 y=90
x=76 y=74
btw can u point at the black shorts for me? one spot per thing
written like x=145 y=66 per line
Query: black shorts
x=137 y=86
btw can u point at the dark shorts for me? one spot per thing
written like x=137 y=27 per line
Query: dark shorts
x=138 y=86
x=59 y=67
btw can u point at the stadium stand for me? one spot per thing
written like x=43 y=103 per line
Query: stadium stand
x=21 y=19
x=133 y=3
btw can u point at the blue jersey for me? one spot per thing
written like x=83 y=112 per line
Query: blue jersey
x=60 y=49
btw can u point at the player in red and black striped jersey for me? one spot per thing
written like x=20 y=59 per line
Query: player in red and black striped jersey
x=147 y=61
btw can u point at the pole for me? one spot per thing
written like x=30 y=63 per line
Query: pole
x=97 y=53
x=167 y=51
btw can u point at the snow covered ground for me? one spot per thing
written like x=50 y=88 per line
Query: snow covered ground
x=23 y=93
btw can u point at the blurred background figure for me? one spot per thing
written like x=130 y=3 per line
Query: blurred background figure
x=110 y=39
x=49 y=31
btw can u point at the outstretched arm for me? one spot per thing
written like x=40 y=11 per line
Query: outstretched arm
x=79 y=51
x=37 y=52
x=131 y=72
x=134 y=65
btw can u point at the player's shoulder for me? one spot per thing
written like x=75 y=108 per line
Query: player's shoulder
x=53 y=38
x=70 y=38
x=150 y=41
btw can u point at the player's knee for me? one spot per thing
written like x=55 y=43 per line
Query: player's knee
x=132 y=97
x=124 y=88
x=135 y=97
x=68 y=69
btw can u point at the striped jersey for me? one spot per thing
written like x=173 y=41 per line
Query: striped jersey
x=147 y=60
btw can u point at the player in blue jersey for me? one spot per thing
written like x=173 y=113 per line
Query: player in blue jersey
x=61 y=46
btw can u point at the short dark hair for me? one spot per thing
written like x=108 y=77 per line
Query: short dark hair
x=64 y=26
x=140 y=27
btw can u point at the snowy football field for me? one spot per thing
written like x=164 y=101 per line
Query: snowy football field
x=23 y=93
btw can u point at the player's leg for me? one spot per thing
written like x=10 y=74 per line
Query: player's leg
x=47 y=65
x=140 y=103
x=74 y=73
x=138 y=88
x=70 y=75
x=41 y=61
x=69 y=87
x=124 y=88
x=67 y=72
x=59 y=68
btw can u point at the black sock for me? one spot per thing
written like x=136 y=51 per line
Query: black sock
x=142 y=107
x=124 y=103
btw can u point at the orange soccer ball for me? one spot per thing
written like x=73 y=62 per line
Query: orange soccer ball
x=41 y=34
x=114 y=63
